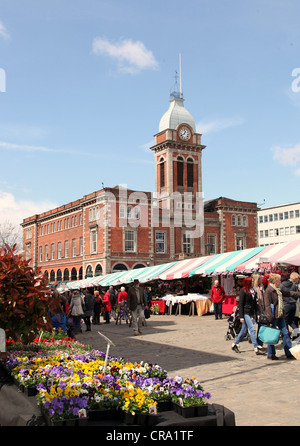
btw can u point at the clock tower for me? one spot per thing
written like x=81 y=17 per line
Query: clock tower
x=178 y=168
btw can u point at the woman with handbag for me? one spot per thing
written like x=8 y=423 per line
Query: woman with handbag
x=259 y=289
x=247 y=313
x=76 y=310
x=274 y=308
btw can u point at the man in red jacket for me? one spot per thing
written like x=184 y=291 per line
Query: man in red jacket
x=217 y=295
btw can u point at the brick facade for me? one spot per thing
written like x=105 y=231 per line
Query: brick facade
x=115 y=228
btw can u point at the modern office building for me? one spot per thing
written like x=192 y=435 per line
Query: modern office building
x=279 y=224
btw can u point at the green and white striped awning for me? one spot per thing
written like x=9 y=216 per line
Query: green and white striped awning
x=142 y=274
x=226 y=262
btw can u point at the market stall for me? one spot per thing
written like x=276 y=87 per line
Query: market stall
x=201 y=303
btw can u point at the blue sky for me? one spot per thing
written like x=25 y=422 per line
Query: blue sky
x=83 y=85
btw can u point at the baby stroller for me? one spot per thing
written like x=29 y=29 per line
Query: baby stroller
x=234 y=324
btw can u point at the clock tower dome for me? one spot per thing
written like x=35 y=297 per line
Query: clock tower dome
x=178 y=174
x=177 y=151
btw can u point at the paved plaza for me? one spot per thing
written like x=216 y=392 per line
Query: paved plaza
x=260 y=392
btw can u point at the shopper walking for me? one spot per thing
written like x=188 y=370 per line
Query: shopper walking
x=274 y=308
x=97 y=307
x=136 y=304
x=248 y=314
x=76 y=311
x=290 y=284
x=89 y=301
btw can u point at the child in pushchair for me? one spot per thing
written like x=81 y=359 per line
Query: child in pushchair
x=234 y=325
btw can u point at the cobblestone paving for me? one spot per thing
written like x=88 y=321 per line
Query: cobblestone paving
x=260 y=392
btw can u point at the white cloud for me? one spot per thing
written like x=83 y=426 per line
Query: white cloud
x=14 y=210
x=217 y=125
x=31 y=148
x=132 y=57
x=287 y=156
x=3 y=31
x=24 y=148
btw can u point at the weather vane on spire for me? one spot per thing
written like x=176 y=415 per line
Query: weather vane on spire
x=177 y=92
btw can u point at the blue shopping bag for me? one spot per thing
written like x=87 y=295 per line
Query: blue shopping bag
x=269 y=335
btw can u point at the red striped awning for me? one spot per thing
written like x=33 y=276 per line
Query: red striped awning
x=182 y=268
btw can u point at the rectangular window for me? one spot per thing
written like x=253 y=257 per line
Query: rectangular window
x=81 y=246
x=52 y=251
x=160 y=242
x=122 y=211
x=261 y=234
x=271 y=232
x=40 y=254
x=281 y=231
x=297 y=213
x=73 y=247
x=275 y=217
x=240 y=243
x=297 y=229
x=46 y=252
x=187 y=243
x=276 y=232
x=271 y=217
x=291 y=214
x=66 y=248
x=93 y=241
x=286 y=215
x=28 y=251
x=129 y=241
x=261 y=219
x=287 y=230
x=292 y=230
x=266 y=233
x=59 y=250
x=281 y=216
x=211 y=244
x=265 y=219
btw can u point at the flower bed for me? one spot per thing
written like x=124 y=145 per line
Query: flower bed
x=70 y=383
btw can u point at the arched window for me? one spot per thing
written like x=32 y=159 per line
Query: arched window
x=119 y=267
x=80 y=276
x=245 y=220
x=162 y=173
x=98 y=270
x=139 y=265
x=180 y=171
x=59 y=276
x=190 y=173
x=52 y=276
x=233 y=220
x=89 y=271
x=73 y=274
x=66 y=275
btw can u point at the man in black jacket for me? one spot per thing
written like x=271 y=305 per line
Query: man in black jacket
x=290 y=284
x=136 y=304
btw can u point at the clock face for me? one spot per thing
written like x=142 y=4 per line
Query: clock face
x=184 y=133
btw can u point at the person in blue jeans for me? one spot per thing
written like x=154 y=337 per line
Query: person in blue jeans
x=247 y=314
x=274 y=308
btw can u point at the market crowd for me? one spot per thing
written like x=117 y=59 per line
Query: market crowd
x=88 y=305
x=272 y=301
